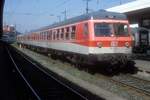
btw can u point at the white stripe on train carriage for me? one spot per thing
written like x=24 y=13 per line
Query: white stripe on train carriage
x=77 y=48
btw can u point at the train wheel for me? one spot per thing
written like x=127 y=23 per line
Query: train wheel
x=109 y=69
x=53 y=56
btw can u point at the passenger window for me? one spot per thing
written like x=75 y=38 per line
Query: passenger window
x=49 y=35
x=86 y=31
x=62 y=33
x=53 y=35
x=43 y=36
x=57 y=34
x=67 y=33
x=73 y=30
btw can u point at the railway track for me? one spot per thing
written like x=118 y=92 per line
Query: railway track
x=41 y=93
x=138 y=84
x=135 y=85
x=23 y=77
x=49 y=87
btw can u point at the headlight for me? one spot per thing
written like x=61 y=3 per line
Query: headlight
x=127 y=44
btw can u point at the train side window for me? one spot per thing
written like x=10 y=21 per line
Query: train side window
x=73 y=31
x=48 y=35
x=67 y=33
x=62 y=33
x=42 y=35
x=86 y=29
x=53 y=35
x=37 y=36
x=45 y=35
x=33 y=36
x=57 y=34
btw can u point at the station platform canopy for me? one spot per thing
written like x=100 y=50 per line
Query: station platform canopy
x=137 y=11
x=131 y=6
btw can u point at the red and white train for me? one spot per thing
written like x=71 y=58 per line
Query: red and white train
x=86 y=39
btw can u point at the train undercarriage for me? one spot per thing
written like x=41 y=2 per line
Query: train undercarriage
x=108 y=62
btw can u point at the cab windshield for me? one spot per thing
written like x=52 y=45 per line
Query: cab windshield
x=107 y=29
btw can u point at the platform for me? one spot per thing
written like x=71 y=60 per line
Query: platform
x=143 y=65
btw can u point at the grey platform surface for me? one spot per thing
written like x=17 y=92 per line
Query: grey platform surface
x=143 y=65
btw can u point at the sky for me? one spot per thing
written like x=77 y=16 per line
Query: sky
x=27 y=15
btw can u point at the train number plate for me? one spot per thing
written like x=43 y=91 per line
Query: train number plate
x=114 y=43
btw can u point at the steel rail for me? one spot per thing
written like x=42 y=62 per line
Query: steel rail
x=28 y=84
x=71 y=89
x=132 y=86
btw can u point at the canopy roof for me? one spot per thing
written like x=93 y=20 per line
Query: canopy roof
x=131 y=6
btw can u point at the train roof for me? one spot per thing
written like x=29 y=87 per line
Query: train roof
x=101 y=14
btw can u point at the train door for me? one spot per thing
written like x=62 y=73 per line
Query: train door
x=86 y=31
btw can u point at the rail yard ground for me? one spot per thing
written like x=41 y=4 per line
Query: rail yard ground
x=96 y=83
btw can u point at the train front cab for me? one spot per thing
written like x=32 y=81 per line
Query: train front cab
x=110 y=40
